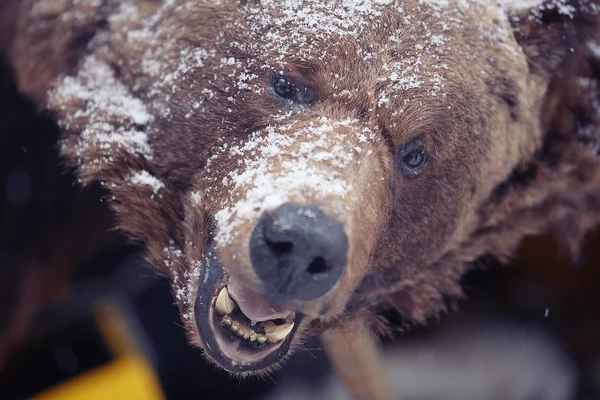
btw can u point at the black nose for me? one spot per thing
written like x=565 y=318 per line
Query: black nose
x=299 y=253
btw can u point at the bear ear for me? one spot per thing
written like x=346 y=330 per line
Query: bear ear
x=57 y=32
x=550 y=31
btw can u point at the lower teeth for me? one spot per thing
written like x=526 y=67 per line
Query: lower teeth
x=224 y=306
x=243 y=331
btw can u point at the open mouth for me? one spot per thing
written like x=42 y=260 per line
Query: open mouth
x=242 y=330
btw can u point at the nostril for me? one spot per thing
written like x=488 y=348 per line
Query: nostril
x=318 y=267
x=279 y=249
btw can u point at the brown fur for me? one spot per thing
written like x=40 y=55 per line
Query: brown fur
x=504 y=134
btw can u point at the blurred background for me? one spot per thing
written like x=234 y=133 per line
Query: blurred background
x=77 y=298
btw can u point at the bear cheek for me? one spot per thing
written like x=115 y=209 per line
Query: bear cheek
x=423 y=217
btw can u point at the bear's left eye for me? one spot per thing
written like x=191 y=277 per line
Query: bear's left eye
x=414 y=159
x=283 y=87
x=411 y=159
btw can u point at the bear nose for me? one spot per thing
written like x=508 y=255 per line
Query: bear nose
x=298 y=253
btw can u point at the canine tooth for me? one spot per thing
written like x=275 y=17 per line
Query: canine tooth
x=253 y=336
x=261 y=339
x=276 y=333
x=235 y=327
x=224 y=305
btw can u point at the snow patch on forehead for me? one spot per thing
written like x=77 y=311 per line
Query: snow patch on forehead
x=342 y=18
x=312 y=30
x=292 y=28
x=110 y=117
x=273 y=32
x=281 y=160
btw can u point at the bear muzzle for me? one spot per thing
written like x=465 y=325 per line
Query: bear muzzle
x=299 y=254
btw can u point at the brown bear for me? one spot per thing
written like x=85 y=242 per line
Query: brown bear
x=295 y=165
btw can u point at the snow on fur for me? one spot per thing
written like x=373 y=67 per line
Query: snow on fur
x=110 y=115
x=275 y=163
x=144 y=178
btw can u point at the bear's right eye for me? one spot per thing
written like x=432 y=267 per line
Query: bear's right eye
x=283 y=87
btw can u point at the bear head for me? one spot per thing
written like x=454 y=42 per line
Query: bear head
x=293 y=165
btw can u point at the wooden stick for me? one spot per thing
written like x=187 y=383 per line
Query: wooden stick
x=356 y=357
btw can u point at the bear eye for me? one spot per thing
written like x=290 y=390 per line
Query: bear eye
x=294 y=92
x=414 y=159
x=283 y=87
x=411 y=159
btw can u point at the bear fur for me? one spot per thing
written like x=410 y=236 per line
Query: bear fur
x=169 y=105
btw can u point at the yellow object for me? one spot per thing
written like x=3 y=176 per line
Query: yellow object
x=127 y=377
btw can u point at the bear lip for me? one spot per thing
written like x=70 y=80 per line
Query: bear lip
x=233 y=353
x=253 y=305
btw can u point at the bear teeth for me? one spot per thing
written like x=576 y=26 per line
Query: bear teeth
x=243 y=331
x=273 y=333
x=276 y=333
x=224 y=305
